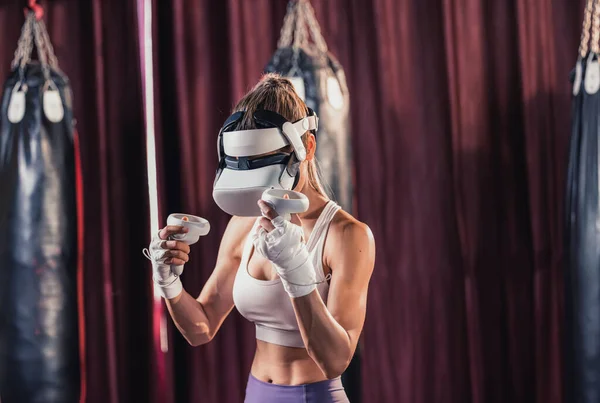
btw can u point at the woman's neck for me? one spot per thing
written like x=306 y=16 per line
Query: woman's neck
x=316 y=202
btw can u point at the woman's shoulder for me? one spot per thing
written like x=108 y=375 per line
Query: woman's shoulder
x=350 y=246
x=347 y=230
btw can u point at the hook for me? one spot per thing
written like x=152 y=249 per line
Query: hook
x=32 y=6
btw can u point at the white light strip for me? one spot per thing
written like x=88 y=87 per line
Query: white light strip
x=150 y=133
x=151 y=149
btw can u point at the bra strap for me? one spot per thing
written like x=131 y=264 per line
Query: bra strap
x=322 y=223
x=248 y=244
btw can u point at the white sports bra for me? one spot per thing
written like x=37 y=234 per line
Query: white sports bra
x=266 y=303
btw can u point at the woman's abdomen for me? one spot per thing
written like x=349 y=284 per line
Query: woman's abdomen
x=284 y=365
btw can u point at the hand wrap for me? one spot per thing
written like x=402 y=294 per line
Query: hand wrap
x=285 y=248
x=168 y=283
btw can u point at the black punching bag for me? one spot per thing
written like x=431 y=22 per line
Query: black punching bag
x=582 y=274
x=39 y=346
x=320 y=81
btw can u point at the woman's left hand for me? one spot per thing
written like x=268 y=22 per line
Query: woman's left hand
x=282 y=242
x=277 y=239
x=269 y=214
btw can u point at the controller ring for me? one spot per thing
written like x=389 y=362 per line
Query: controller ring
x=297 y=202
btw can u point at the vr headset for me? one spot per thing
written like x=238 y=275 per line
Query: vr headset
x=251 y=161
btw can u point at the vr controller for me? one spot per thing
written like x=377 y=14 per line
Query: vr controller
x=196 y=226
x=296 y=203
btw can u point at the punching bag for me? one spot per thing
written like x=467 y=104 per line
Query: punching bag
x=320 y=81
x=39 y=346
x=582 y=274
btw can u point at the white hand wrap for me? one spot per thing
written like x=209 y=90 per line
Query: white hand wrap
x=285 y=248
x=168 y=283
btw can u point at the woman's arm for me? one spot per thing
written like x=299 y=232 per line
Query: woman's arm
x=331 y=332
x=199 y=319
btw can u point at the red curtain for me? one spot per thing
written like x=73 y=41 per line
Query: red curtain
x=472 y=113
x=460 y=122
x=460 y=115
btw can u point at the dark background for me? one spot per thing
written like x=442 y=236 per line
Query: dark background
x=460 y=126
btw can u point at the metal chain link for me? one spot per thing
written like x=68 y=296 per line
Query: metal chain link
x=287 y=31
x=300 y=32
x=49 y=49
x=25 y=44
x=314 y=27
x=299 y=25
x=41 y=50
x=35 y=32
x=300 y=16
x=300 y=36
x=595 y=28
x=585 y=33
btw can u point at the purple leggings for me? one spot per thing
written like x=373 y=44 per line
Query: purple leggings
x=330 y=391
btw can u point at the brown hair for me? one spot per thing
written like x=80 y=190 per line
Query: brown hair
x=276 y=94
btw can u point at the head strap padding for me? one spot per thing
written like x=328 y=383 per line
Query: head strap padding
x=292 y=131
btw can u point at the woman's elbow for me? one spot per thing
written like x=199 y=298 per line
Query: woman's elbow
x=332 y=372
x=199 y=340
x=332 y=365
x=335 y=369
x=201 y=335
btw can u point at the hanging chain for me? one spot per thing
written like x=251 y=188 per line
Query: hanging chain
x=34 y=31
x=595 y=45
x=49 y=49
x=314 y=27
x=300 y=33
x=41 y=50
x=299 y=25
x=585 y=33
x=287 y=31
x=25 y=44
x=299 y=15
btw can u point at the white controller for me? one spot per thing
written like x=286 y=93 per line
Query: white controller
x=196 y=226
x=297 y=202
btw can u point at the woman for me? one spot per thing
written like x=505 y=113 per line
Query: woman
x=307 y=341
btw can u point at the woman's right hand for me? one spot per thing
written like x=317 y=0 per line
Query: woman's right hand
x=164 y=252
x=177 y=252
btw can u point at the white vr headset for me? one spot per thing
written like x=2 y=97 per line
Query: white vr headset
x=245 y=172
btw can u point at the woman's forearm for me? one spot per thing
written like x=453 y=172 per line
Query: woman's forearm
x=190 y=318
x=326 y=341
